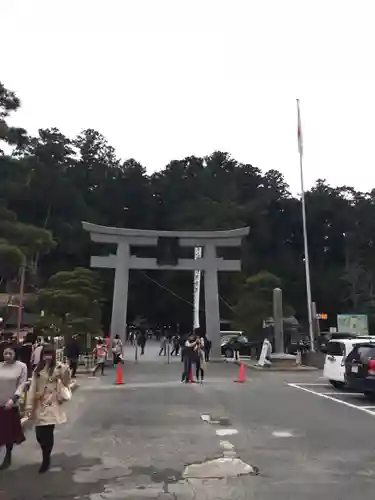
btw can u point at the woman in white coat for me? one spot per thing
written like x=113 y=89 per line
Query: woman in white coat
x=48 y=390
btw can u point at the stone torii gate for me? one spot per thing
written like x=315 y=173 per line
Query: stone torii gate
x=123 y=261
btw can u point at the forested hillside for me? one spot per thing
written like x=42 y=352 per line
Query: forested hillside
x=50 y=183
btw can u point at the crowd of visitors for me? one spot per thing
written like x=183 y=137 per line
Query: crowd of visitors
x=33 y=364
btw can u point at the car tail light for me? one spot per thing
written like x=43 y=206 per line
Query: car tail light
x=371 y=367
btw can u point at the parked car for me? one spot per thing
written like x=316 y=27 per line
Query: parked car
x=360 y=368
x=293 y=343
x=229 y=342
x=296 y=342
x=294 y=338
x=325 y=337
x=230 y=333
x=337 y=351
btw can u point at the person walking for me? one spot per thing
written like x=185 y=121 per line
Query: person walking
x=35 y=356
x=72 y=352
x=100 y=353
x=141 y=341
x=13 y=378
x=176 y=345
x=44 y=398
x=163 y=345
x=117 y=350
x=207 y=349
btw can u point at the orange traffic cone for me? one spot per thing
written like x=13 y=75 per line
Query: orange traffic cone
x=241 y=376
x=119 y=377
x=191 y=379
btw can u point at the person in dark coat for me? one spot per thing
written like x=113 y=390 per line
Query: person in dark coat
x=207 y=348
x=72 y=352
x=141 y=340
x=189 y=356
x=176 y=345
x=24 y=353
x=236 y=348
x=181 y=341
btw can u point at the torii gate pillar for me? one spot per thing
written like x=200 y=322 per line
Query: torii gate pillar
x=123 y=261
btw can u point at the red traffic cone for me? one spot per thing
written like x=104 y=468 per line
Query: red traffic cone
x=241 y=376
x=119 y=377
x=191 y=379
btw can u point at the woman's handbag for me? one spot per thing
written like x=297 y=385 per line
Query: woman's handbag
x=65 y=394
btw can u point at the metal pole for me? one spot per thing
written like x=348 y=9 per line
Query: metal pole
x=20 y=306
x=169 y=351
x=315 y=318
x=305 y=243
x=136 y=352
x=196 y=289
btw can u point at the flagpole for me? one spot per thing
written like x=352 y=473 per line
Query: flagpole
x=196 y=293
x=305 y=240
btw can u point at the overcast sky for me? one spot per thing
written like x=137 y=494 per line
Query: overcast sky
x=163 y=79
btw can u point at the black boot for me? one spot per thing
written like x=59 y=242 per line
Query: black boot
x=7 y=460
x=46 y=462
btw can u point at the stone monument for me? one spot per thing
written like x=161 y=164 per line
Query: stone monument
x=280 y=357
x=278 y=320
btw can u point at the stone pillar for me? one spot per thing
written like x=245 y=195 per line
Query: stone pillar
x=120 y=292
x=211 y=296
x=278 y=320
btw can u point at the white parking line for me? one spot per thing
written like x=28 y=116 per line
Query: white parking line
x=343 y=393
x=325 y=396
x=312 y=385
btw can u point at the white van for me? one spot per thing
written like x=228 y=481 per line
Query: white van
x=336 y=353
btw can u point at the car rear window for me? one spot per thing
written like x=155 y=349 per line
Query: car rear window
x=335 y=349
x=366 y=352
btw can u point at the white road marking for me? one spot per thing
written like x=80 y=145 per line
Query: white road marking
x=282 y=434
x=332 y=393
x=226 y=432
x=368 y=407
x=228 y=448
x=227 y=445
x=307 y=384
x=325 y=396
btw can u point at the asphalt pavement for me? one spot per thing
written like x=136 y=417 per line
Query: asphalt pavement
x=274 y=436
